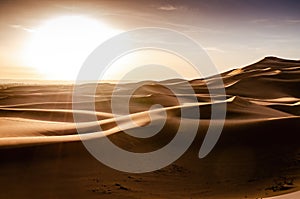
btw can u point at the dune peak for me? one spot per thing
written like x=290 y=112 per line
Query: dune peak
x=277 y=59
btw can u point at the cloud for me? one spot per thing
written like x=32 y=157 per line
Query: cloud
x=292 y=21
x=167 y=8
x=17 y=26
x=215 y=49
x=257 y=21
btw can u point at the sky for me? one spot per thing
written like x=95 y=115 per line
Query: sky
x=234 y=33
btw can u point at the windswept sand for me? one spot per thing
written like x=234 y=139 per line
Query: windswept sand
x=257 y=155
x=295 y=195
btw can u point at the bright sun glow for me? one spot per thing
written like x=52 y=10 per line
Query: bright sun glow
x=59 y=47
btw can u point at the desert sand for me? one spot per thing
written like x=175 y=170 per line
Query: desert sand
x=257 y=155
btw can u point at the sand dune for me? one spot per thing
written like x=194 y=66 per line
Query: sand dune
x=258 y=154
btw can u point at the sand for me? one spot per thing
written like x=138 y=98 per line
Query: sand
x=257 y=155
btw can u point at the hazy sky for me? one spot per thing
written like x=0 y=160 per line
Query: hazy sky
x=234 y=32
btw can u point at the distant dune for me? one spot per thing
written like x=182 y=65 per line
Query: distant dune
x=257 y=155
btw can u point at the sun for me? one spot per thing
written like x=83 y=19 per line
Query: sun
x=58 y=47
